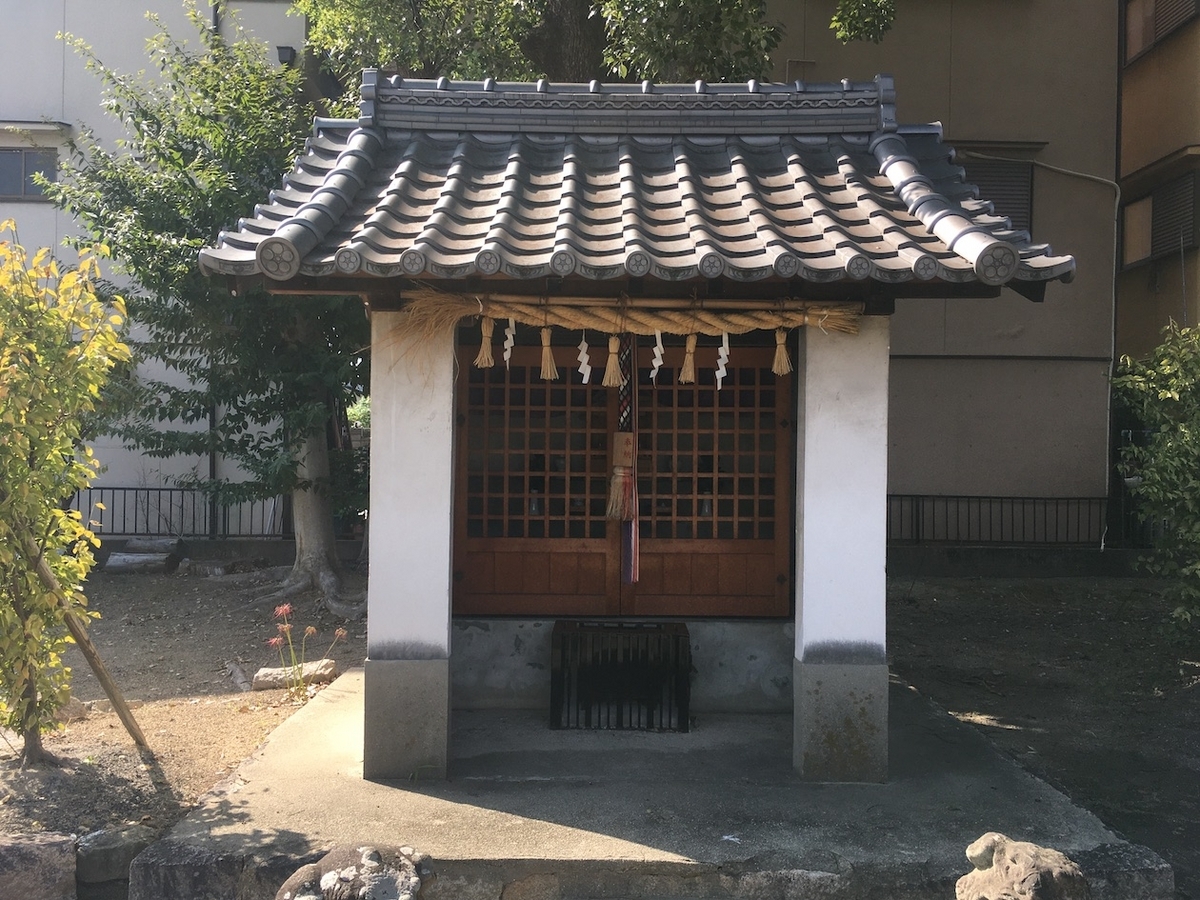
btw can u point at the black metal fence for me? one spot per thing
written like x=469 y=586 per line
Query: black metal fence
x=911 y=518
x=179 y=512
x=920 y=518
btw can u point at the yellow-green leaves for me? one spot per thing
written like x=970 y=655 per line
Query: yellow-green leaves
x=58 y=340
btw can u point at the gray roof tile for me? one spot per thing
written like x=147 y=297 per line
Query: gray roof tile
x=609 y=181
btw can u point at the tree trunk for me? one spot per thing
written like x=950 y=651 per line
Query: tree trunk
x=317 y=565
x=568 y=45
x=312 y=515
x=34 y=752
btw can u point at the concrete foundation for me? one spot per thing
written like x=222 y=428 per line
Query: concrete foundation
x=407 y=716
x=840 y=721
x=738 y=666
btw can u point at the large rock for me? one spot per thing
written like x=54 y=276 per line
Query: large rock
x=321 y=671
x=173 y=870
x=74 y=710
x=1017 y=870
x=37 y=866
x=360 y=873
x=105 y=855
x=134 y=563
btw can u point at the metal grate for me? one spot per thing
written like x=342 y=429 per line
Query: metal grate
x=1173 y=213
x=620 y=675
x=1008 y=184
x=1170 y=14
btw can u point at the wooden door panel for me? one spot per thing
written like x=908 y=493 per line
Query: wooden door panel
x=714 y=490
x=737 y=576
x=532 y=479
x=531 y=581
x=713 y=482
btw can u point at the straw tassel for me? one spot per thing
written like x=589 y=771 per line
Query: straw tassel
x=782 y=364
x=622 y=506
x=487 y=327
x=687 y=372
x=549 y=369
x=612 y=368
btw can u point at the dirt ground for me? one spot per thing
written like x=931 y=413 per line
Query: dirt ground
x=1081 y=681
x=166 y=640
x=1077 y=678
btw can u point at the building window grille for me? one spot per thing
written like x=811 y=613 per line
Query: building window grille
x=1008 y=184
x=1162 y=223
x=17 y=171
x=1149 y=21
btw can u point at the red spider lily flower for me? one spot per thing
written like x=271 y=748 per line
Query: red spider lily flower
x=340 y=634
x=282 y=612
x=284 y=627
x=275 y=642
x=310 y=631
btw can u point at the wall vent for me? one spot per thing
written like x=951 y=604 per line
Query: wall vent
x=1008 y=184
x=1170 y=14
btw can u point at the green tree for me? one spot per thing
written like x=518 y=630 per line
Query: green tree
x=863 y=20
x=422 y=38
x=1162 y=392
x=250 y=376
x=683 y=40
x=58 y=342
x=670 y=40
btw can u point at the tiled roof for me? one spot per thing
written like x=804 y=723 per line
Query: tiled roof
x=747 y=182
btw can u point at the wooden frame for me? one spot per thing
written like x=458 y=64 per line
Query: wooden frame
x=714 y=478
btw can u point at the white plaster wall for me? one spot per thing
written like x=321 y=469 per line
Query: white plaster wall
x=412 y=493
x=841 y=540
x=269 y=21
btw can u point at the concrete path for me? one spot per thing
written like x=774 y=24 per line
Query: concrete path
x=534 y=814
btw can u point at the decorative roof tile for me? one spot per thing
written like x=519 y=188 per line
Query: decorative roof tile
x=810 y=182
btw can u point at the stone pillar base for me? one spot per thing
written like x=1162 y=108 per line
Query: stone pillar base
x=407 y=713
x=840 y=721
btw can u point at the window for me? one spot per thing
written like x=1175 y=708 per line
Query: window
x=1136 y=229
x=1149 y=21
x=1161 y=223
x=1008 y=184
x=1139 y=27
x=17 y=168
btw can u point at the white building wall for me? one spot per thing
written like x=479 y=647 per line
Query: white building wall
x=46 y=82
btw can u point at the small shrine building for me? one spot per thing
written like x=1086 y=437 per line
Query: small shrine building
x=630 y=362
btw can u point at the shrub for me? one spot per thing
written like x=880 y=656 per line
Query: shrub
x=58 y=341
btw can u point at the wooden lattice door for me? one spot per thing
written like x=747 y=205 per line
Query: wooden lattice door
x=533 y=464
x=713 y=490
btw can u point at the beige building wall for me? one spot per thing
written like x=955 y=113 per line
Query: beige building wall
x=1153 y=294
x=1000 y=396
x=1160 y=113
x=1160 y=142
